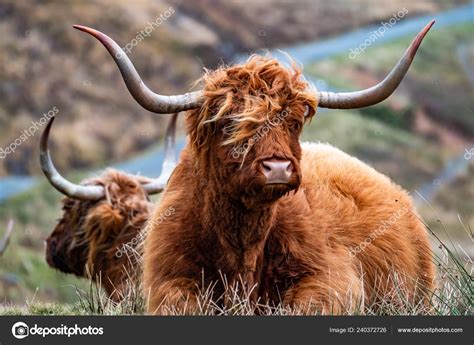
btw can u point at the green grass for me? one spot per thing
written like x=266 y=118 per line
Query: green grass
x=42 y=308
x=24 y=273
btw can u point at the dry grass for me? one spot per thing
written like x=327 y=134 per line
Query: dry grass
x=452 y=296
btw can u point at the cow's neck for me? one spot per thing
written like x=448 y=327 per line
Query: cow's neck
x=239 y=232
x=242 y=227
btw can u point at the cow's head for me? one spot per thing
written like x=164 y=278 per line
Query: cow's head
x=102 y=225
x=91 y=234
x=246 y=133
x=245 y=123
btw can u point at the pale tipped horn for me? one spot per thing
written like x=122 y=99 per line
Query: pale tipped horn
x=169 y=160
x=57 y=181
x=5 y=241
x=379 y=92
x=142 y=94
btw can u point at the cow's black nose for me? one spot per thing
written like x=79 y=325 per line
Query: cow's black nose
x=277 y=171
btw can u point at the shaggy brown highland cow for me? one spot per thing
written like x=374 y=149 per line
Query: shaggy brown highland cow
x=304 y=225
x=100 y=236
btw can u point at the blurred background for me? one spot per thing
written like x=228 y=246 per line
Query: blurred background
x=422 y=136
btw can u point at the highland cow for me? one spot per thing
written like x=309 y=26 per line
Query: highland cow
x=100 y=233
x=285 y=218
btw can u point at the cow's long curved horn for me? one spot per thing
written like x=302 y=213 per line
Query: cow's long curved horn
x=142 y=94
x=5 y=241
x=60 y=183
x=169 y=160
x=379 y=92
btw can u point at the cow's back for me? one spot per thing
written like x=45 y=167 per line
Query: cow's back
x=367 y=214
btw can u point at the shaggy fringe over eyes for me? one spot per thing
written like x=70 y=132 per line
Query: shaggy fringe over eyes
x=245 y=97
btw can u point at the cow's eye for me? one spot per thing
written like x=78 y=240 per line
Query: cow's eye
x=295 y=126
